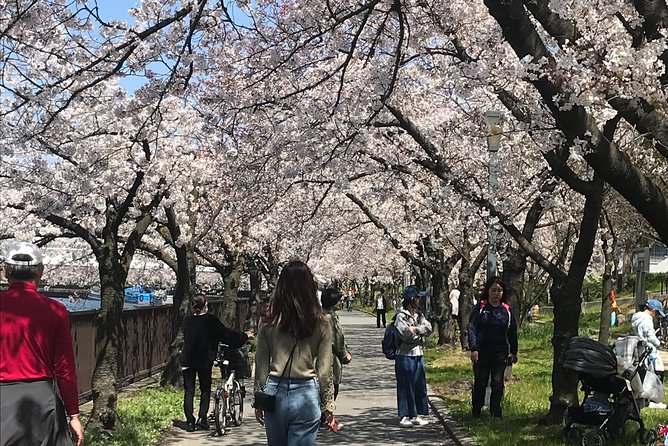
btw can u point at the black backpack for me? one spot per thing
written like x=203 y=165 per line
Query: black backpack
x=391 y=340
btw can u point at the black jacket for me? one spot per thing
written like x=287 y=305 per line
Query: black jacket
x=492 y=330
x=201 y=335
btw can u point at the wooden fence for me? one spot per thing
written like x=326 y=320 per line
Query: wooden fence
x=144 y=348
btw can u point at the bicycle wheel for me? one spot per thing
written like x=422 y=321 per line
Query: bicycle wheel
x=220 y=412
x=237 y=404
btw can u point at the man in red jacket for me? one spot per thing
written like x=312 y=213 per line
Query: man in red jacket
x=36 y=354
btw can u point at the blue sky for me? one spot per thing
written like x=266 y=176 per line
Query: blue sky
x=115 y=9
x=118 y=10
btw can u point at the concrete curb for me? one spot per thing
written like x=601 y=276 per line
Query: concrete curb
x=455 y=431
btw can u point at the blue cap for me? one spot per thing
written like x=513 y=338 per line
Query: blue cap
x=422 y=293
x=410 y=292
x=654 y=304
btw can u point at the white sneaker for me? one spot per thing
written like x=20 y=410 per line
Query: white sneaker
x=417 y=421
x=405 y=422
x=657 y=406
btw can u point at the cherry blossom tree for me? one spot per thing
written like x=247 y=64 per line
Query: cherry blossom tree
x=330 y=124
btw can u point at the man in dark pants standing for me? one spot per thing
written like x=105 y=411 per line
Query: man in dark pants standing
x=381 y=309
x=36 y=354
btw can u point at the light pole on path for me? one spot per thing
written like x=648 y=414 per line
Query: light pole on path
x=493 y=142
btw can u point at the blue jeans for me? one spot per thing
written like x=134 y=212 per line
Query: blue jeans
x=411 y=386
x=296 y=419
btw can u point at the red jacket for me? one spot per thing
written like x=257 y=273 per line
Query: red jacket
x=36 y=342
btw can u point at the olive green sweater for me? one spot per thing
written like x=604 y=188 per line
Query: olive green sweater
x=312 y=358
x=339 y=346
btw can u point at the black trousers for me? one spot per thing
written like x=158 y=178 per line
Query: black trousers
x=32 y=414
x=204 y=375
x=488 y=366
x=380 y=314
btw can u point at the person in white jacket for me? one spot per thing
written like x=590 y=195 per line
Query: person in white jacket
x=643 y=327
x=412 y=327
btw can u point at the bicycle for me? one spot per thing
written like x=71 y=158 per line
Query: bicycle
x=662 y=332
x=230 y=394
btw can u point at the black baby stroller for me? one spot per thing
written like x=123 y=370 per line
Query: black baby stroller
x=609 y=400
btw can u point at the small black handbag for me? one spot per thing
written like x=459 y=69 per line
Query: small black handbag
x=266 y=402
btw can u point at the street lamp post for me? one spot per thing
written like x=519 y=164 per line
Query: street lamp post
x=493 y=142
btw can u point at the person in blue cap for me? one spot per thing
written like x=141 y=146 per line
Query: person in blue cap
x=642 y=323
x=412 y=327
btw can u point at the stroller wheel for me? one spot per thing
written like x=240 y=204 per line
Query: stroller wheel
x=647 y=437
x=573 y=436
x=592 y=438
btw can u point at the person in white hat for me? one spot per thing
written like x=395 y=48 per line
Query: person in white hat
x=36 y=354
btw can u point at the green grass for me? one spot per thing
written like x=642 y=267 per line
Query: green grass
x=142 y=417
x=527 y=395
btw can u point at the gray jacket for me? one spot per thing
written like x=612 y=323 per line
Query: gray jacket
x=411 y=343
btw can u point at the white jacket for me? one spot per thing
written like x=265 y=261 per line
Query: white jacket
x=643 y=327
x=411 y=343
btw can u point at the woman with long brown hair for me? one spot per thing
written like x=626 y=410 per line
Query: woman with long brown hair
x=293 y=360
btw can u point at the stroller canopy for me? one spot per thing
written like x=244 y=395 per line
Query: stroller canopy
x=585 y=355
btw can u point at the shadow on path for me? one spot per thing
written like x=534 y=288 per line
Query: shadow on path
x=366 y=406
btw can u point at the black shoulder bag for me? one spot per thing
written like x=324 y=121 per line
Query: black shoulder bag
x=266 y=402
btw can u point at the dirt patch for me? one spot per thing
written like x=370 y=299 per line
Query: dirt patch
x=459 y=387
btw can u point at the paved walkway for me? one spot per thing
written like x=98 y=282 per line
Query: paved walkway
x=366 y=405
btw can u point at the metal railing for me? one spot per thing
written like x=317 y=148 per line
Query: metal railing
x=144 y=346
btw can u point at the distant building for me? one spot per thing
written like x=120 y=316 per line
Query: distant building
x=658 y=258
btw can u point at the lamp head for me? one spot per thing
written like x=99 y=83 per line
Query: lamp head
x=494 y=124
x=493 y=117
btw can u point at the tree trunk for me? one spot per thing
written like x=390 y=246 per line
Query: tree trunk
x=372 y=295
x=172 y=372
x=108 y=340
x=565 y=292
x=465 y=300
x=186 y=279
x=513 y=276
x=606 y=309
x=442 y=309
x=255 y=284
x=566 y=319
x=623 y=277
x=231 y=283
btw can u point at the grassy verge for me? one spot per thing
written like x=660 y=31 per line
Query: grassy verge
x=143 y=417
x=526 y=396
